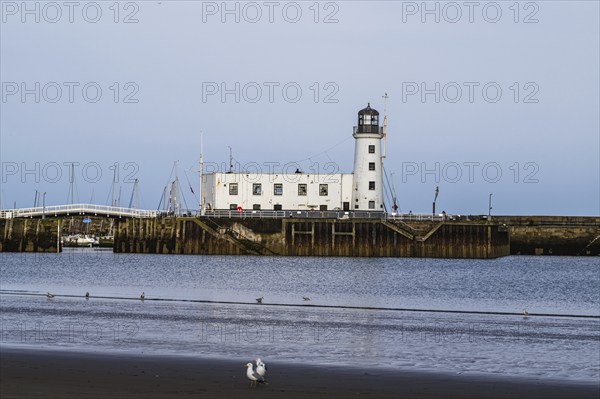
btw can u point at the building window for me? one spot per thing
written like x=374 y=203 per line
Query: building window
x=233 y=189
x=323 y=190
x=371 y=185
x=371 y=165
x=277 y=207
x=278 y=189
x=256 y=189
x=371 y=204
x=322 y=207
x=256 y=207
x=302 y=189
x=232 y=207
x=371 y=149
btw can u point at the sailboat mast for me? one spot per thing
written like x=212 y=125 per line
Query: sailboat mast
x=200 y=193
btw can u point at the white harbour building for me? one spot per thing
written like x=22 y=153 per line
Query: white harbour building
x=361 y=190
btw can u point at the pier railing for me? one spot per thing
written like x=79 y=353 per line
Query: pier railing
x=270 y=214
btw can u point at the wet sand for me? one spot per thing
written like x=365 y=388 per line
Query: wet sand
x=28 y=373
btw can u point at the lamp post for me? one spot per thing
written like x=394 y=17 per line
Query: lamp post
x=490 y=206
x=44 y=205
x=437 y=192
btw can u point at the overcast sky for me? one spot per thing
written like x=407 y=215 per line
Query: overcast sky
x=490 y=98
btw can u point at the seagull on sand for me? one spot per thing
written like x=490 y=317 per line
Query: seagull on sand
x=87 y=295
x=306 y=298
x=143 y=296
x=49 y=295
x=259 y=300
x=253 y=376
x=261 y=368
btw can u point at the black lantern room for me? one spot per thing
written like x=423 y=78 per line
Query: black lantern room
x=368 y=120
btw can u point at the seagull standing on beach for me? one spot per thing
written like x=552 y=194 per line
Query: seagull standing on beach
x=525 y=313
x=87 y=295
x=253 y=376
x=143 y=296
x=49 y=295
x=259 y=300
x=261 y=368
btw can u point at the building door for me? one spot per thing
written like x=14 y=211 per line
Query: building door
x=346 y=206
x=277 y=207
x=323 y=207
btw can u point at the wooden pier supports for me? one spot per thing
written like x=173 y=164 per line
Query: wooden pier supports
x=311 y=237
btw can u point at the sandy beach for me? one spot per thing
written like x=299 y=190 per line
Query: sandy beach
x=26 y=373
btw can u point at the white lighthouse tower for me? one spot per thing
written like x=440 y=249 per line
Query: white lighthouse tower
x=367 y=188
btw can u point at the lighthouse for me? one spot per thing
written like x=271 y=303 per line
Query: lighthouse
x=229 y=192
x=367 y=187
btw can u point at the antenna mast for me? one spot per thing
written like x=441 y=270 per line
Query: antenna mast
x=230 y=159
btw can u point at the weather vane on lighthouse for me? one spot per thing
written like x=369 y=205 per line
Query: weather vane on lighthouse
x=385 y=97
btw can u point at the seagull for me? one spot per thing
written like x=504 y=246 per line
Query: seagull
x=87 y=295
x=253 y=376
x=525 y=313
x=306 y=298
x=261 y=368
x=143 y=296
x=259 y=300
x=49 y=295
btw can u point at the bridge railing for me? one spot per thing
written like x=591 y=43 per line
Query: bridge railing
x=105 y=210
x=83 y=209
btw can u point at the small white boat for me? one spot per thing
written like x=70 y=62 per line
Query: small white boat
x=87 y=241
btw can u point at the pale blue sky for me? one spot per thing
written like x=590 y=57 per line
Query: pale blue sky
x=170 y=53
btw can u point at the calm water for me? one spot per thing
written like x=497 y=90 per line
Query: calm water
x=563 y=347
